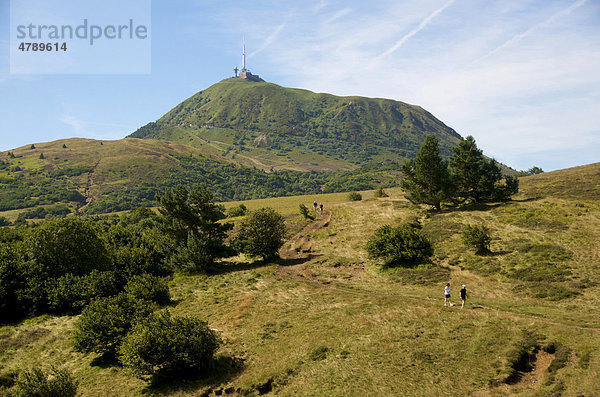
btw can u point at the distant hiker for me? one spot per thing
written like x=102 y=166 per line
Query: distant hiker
x=447 y=299
x=315 y=205
x=321 y=207
x=463 y=295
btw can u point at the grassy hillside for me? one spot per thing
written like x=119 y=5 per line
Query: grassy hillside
x=273 y=127
x=107 y=176
x=327 y=320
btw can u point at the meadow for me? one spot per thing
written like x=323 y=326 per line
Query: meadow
x=327 y=320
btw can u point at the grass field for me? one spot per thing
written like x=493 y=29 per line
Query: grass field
x=327 y=320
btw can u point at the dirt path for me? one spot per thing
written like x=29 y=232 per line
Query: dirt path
x=299 y=250
x=90 y=179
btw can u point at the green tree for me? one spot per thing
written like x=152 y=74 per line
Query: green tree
x=402 y=246
x=193 y=215
x=67 y=245
x=426 y=177
x=262 y=233
x=105 y=322
x=534 y=171
x=475 y=178
x=162 y=344
x=12 y=283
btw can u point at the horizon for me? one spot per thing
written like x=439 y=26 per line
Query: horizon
x=521 y=77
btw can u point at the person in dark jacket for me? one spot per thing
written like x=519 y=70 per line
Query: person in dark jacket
x=463 y=295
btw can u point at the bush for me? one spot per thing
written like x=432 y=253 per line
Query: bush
x=105 y=322
x=305 y=212
x=380 y=193
x=38 y=383
x=354 y=196
x=67 y=245
x=165 y=345
x=149 y=287
x=477 y=237
x=239 y=210
x=400 y=246
x=4 y=221
x=261 y=233
x=70 y=294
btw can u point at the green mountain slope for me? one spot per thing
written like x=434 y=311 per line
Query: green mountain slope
x=272 y=127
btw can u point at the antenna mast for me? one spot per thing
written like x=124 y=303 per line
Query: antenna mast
x=244 y=55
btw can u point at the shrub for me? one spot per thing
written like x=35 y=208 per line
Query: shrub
x=305 y=212
x=70 y=294
x=354 y=196
x=38 y=383
x=477 y=237
x=261 y=233
x=105 y=322
x=380 y=193
x=402 y=246
x=239 y=210
x=149 y=287
x=4 y=221
x=165 y=345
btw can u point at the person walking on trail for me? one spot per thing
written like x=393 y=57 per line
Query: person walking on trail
x=315 y=205
x=463 y=295
x=447 y=299
x=321 y=207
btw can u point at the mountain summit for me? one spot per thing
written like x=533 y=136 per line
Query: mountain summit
x=273 y=127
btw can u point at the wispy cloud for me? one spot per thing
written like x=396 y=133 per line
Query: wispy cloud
x=94 y=129
x=537 y=98
x=337 y=15
x=416 y=30
x=515 y=39
x=77 y=125
x=266 y=42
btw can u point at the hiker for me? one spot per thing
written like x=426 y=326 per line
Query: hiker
x=321 y=207
x=463 y=295
x=447 y=296
x=315 y=205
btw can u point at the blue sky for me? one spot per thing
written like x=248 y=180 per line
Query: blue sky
x=522 y=77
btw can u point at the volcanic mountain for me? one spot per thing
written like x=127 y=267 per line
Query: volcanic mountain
x=272 y=127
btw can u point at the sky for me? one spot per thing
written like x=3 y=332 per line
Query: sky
x=522 y=77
